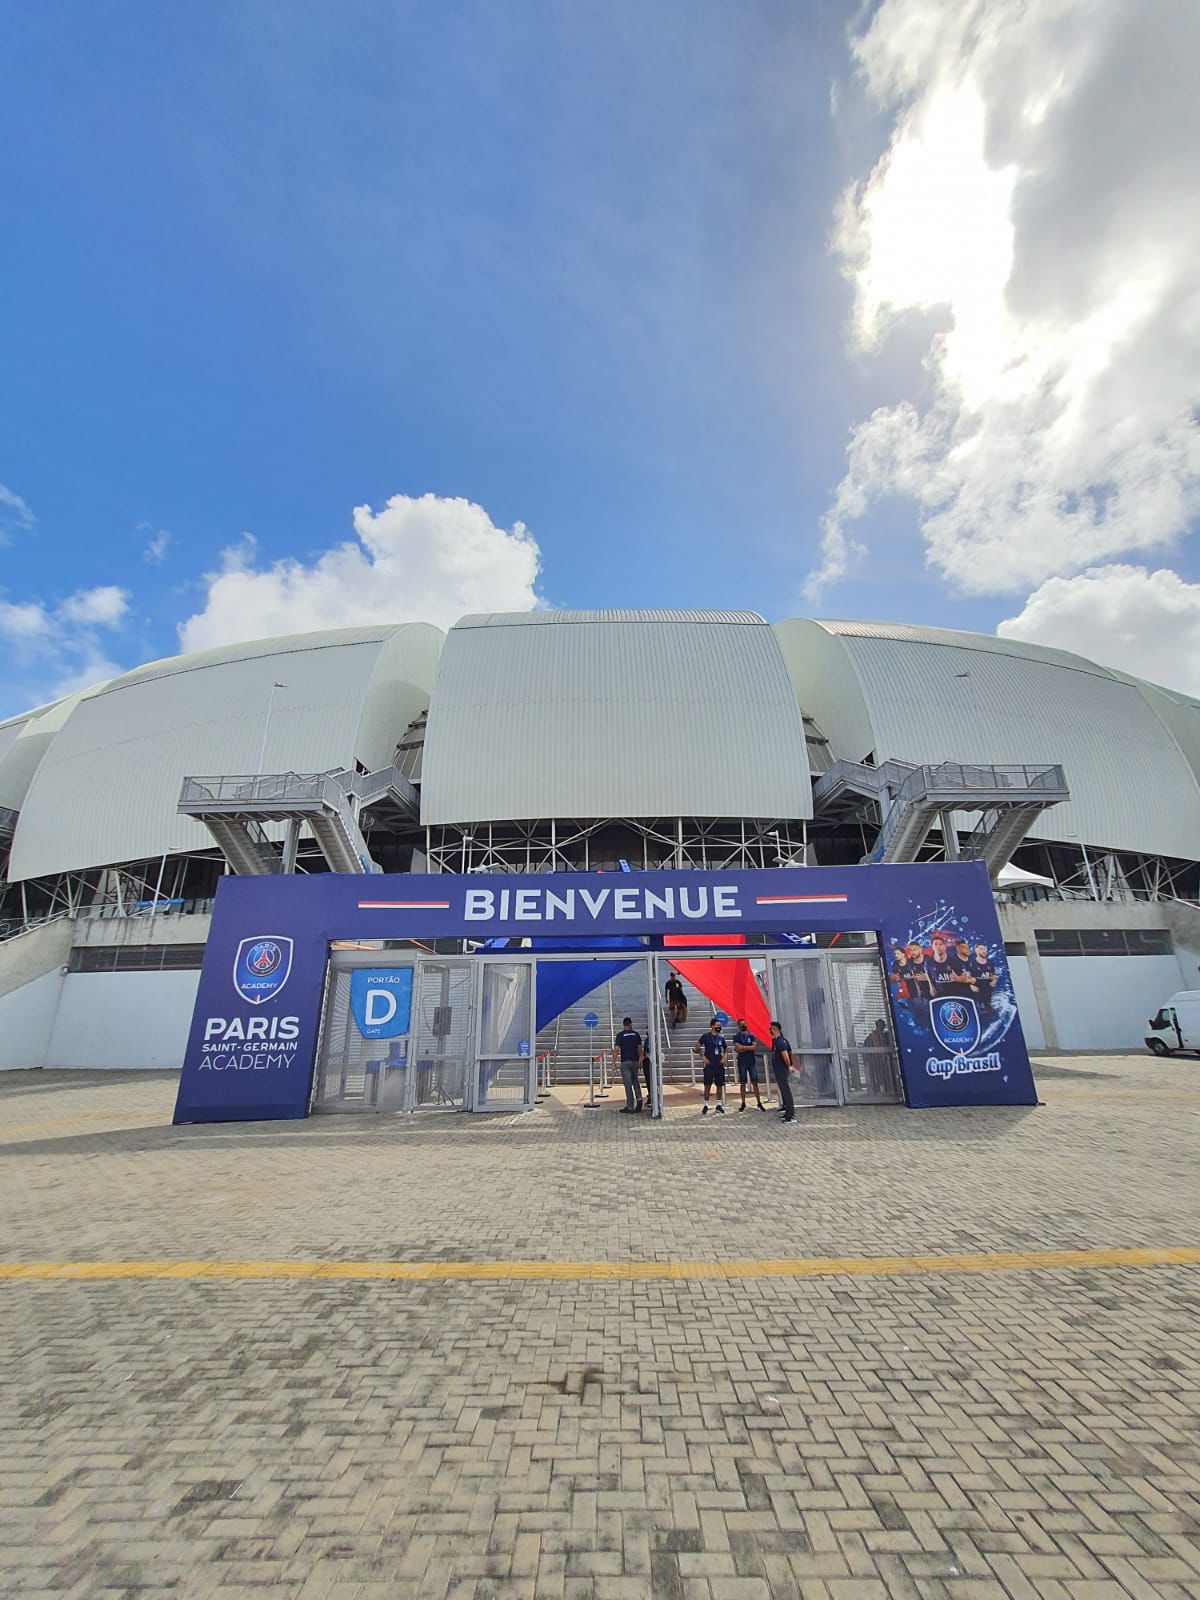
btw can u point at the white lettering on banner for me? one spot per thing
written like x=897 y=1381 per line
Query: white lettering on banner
x=374 y=1018
x=247 y=1063
x=624 y=907
x=251 y=1028
x=723 y=903
x=479 y=905
x=685 y=906
x=594 y=902
x=624 y=904
x=939 y=1067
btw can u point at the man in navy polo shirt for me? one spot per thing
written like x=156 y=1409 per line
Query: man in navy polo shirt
x=712 y=1046
x=627 y=1048
x=781 y=1065
x=745 y=1047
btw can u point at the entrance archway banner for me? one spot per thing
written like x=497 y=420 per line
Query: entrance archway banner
x=252 y=1047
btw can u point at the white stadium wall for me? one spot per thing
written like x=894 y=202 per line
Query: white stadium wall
x=613 y=714
x=106 y=788
x=930 y=695
x=122 y=1019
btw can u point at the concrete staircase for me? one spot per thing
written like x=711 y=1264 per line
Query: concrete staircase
x=570 y=1044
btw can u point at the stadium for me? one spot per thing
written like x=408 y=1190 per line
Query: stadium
x=555 y=742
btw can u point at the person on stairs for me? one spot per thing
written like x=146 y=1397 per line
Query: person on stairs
x=627 y=1048
x=676 y=997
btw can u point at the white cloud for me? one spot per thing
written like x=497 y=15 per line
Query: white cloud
x=52 y=650
x=422 y=559
x=156 y=549
x=1146 y=623
x=15 y=515
x=1037 y=197
x=104 y=606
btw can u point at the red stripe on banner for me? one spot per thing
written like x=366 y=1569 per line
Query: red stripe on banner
x=404 y=905
x=801 y=899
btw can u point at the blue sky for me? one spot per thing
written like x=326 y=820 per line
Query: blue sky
x=569 y=261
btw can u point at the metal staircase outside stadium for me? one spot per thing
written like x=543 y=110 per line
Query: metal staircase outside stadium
x=912 y=800
x=234 y=809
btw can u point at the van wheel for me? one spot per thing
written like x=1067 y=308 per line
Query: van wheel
x=1157 y=1047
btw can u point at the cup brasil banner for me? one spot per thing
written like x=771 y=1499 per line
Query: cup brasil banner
x=253 y=1041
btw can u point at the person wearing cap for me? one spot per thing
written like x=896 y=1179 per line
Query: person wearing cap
x=745 y=1049
x=713 y=1045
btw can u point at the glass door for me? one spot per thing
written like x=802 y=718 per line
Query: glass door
x=506 y=1071
x=443 y=1042
x=870 y=1071
x=802 y=1005
x=362 y=1062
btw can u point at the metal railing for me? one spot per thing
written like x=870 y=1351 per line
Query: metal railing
x=969 y=787
x=263 y=788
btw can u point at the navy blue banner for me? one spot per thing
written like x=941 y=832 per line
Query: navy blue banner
x=253 y=1040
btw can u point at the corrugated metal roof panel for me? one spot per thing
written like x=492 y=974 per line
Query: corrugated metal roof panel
x=608 y=716
x=108 y=787
x=506 y=619
x=1130 y=784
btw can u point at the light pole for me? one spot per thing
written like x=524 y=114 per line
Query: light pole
x=262 y=749
x=162 y=867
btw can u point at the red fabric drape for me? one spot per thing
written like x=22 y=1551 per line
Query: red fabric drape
x=730 y=985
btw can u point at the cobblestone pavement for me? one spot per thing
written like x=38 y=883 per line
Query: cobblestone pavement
x=1009 y=1433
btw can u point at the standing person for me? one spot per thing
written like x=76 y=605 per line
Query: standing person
x=745 y=1048
x=648 y=1069
x=781 y=1066
x=627 y=1047
x=712 y=1046
x=676 y=1001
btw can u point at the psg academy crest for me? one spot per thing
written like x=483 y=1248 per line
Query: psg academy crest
x=955 y=1023
x=261 y=968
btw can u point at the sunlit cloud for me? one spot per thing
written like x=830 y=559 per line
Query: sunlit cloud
x=1036 y=198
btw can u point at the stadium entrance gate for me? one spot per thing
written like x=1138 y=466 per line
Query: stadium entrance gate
x=467 y=1026
x=832 y=1004
x=460 y=1038
x=333 y=990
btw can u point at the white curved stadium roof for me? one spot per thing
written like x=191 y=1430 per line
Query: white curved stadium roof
x=107 y=787
x=613 y=714
x=933 y=694
x=590 y=714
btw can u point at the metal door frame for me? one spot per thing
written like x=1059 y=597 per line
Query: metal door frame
x=510 y=958
x=423 y=962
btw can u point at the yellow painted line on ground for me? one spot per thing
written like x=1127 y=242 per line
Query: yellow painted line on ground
x=118 y=1117
x=591 y=1271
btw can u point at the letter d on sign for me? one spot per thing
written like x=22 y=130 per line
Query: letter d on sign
x=380 y=1008
x=381 y=1001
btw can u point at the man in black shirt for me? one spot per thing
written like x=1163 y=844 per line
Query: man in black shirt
x=676 y=1001
x=781 y=1066
x=627 y=1048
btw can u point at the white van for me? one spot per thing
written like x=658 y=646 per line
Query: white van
x=1177 y=1025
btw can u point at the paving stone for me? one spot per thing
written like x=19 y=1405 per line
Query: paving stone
x=1031 y=1434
